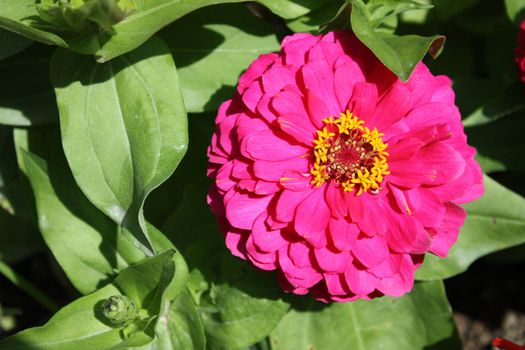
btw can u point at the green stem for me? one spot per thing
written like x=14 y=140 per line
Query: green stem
x=27 y=287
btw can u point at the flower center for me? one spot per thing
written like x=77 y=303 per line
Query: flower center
x=350 y=154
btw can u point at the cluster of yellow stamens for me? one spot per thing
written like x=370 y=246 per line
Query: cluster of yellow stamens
x=349 y=153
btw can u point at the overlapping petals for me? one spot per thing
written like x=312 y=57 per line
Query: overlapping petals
x=337 y=244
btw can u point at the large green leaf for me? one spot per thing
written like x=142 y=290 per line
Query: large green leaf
x=11 y=43
x=83 y=240
x=81 y=324
x=219 y=44
x=421 y=318
x=369 y=22
x=494 y=222
x=124 y=128
x=17 y=16
x=26 y=93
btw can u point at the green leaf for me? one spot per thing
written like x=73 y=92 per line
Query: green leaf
x=242 y=308
x=11 y=43
x=26 y=93
x=81 y=324
x=370 y=23
x=495 y=221
x=124 y=128
x=399 y=53
x=414 y=321
x=515 y=10
x=220 y=43
x=18 y=15
x=180 y=326
x=83 y=240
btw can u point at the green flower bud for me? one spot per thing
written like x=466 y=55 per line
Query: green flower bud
x=84 y=15
x=120 y=310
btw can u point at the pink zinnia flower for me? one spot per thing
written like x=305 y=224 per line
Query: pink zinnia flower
x=519 y=54
x=335 y=173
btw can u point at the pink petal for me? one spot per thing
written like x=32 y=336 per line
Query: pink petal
x=300 y=253
x=434 y=164
x=363 y=101
x=255 y=70
x=235 y=241
x=393 y=106
x=400 y=283
x=266 y=145
x=326 y=52
x=317 y=109
x=336 y=201
x=264 y=110
x=242 y=209
x=332 y=261
x=295 y=50
x=224 y=181
x=252 y=95
x=263 y=260
x=371 y=251
x=406 y=235
x=318 y=78
x=295 y=181
x=287 y=204
x=345 y=78
x=312 y=215
x=448 y=232
x=246 y=125
x=274 y=170
x=299 y=277
x=428 y=207
x=266 y=187
x=373 y=221
x=299 y=127
x=275 y=78
x=336 y=284
x=288 y=102
x=343 y=233
x=266 y=240
x=240 y=169
x=359 y=281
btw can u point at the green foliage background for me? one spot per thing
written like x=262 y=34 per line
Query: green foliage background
x=119 y=201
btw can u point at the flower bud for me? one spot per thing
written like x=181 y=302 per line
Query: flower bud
x=120 y=310
x=81 y=16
